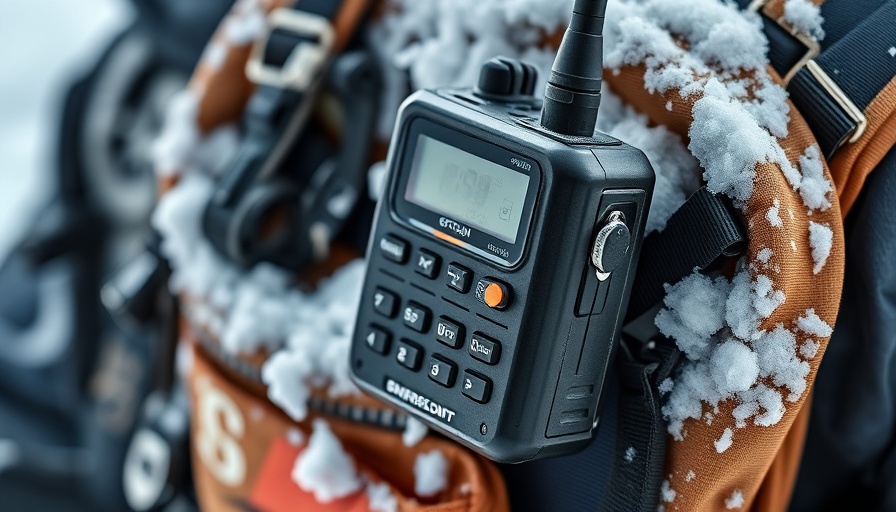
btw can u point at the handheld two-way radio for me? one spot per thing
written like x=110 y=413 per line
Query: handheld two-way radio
x=502 y=256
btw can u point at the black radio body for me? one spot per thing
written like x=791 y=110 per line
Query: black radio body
x=483 y=313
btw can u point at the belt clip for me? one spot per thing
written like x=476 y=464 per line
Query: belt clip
x=813 y=50
x=307 y=60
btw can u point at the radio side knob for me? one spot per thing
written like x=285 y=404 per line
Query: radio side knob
x=611 y=245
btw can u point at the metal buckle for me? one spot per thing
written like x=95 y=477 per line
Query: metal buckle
x=835 y=92
x=823 y=79
x=813 y=49
x=307 y=59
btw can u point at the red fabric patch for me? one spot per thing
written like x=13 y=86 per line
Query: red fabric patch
x=275 y=491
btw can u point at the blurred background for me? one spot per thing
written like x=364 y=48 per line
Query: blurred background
x=47 y=45
x=83 y=92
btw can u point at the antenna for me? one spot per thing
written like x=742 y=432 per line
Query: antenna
x=572 y=96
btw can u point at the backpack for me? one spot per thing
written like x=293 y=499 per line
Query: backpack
x=720 y=402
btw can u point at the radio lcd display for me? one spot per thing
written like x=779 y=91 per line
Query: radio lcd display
x=473 y=190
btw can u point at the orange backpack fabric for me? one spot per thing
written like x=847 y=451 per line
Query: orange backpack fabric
x=761 y=467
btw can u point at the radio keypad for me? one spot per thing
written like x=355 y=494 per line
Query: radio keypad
x=416 y=317
x=384 y=302
x=442 y=371
x=458 y=277
x=394 y=248
x=484 y=349
x=449 y=332
x=427 y=264
x=476 y=387
x=409 y=355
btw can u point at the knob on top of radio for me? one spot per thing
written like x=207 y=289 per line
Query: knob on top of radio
x=507 y=80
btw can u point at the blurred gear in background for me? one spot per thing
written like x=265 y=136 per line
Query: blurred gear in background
x=72 y=379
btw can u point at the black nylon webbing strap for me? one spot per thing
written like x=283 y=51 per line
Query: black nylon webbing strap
x=703 y=229
x=641 y=432
x=854 y=55
x=860 y=64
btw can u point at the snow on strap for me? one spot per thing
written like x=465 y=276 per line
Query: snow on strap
x=324 y=468
x=739 y=117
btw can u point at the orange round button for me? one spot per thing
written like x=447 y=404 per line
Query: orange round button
x=495 y=296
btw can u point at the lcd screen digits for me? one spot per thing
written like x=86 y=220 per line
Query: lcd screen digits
x=467 y=188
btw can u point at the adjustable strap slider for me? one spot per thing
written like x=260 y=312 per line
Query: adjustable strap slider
x=813 y=48
x=305 y=61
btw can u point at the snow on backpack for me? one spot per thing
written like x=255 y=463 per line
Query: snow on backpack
x=276 y=423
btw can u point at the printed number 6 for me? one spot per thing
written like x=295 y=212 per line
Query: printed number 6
x=220 y=425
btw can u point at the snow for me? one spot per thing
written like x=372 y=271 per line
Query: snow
x=734 y=367
x=430 y=473
x=809 y=348
x=735 y=501
x=892 y=51
x=811 y=323
x=805 y=17
x=695 y=310
x=764 y=255
x=666 y=386
x=720 y=367
x=324 y=468
x=821 y=239
x=690 y=476
x=777 y=355
x=667 y=493
x=380 y=498
x=179 y=136
x=773 y=215
x=245 y=24
x=724 y=442
x=677 y=171
x=309 y=332
x=414 y=432
x=630 y=454
x=814 y=186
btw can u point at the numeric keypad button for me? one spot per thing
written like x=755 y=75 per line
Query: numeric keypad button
x=416 y=317
x=458 y=277
x=484 y=349
x=377 y=339
x=385 y=302
x=476 y=387
x=394 y=248
x=442 y=371
x=409 y=355
x=449 y=332
x=426 y=264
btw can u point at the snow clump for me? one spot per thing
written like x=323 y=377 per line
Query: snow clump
x=430 y=473
x=380 y=498
x=414 y=432
x=805 y=17
x=735 y=501
x=821 y=239
x=724 y=442
x=324 y=468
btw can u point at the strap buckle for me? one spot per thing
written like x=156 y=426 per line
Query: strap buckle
x=813 y=48
x=840 y=97
x=307 y=60
x=821 y=77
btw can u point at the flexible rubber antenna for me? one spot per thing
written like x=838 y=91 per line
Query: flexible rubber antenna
x=572 y=96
